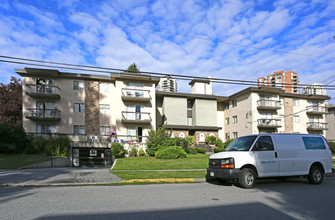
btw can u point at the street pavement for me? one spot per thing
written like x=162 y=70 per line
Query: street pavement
x=270 y=199
x=57 y=176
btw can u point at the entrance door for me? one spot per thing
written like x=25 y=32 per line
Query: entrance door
x=202 y=137
x=266 y=157
x=140 y=133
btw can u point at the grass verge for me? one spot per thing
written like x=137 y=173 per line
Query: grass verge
x=14 y=161
x=129 y=175
x=193 y=161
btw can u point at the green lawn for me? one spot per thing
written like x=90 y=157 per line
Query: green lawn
x=128 y=175
x=14 y=161
x=193 y=161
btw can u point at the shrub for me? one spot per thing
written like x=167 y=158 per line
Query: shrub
x=219 y=143
x=117 y=150
x=200 y=150
x=226 y=144
x=218 y=149
x=35 y=145
x=191 y=150
x=332 y=146
x=134 y=152
x=141 y=153
x=172 y=152
x=12 y=138
x=58 y=146
x=190 y=139
x=156 y=139
x=211 y=139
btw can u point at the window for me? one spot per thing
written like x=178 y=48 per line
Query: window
x=104 y=87
x=234 y=103
x=296 y=102
x=235 y=135
x=78 y=129
x=227 y=121
x=182 y=135
x=104 y=108
x=227 y=136
x=235 y=119
x=78 y=85
x=104 y=130
x=296 y=119
x=131 y=131
x=314 y=143
x=78 y=107
x=45 y=128
x=132 y=84
x=264 y=143
x=227 y=106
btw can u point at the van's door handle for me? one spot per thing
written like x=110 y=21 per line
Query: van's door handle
x=276 y=154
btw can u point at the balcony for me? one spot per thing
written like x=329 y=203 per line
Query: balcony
x=136 y=117
x=268 y=105
x=136 y=95
x=268 y=123
x=43 y=114
x=42 y=91
x=316 y=110
x=317 y=126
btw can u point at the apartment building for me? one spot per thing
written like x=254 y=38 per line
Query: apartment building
x=83 y=104
x=314 y=89
x=167 y=84
x=271 y=110
x=287 y=81
x=330 y=119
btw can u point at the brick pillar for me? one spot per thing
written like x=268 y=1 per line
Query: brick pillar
x=288 y=112
x=92 y=107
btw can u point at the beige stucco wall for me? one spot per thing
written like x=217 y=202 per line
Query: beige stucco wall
x=220 y=119
x=204 y=112
x=330 y=119
x=175 y=110
x=120 y=105
x=244 y=125
x=68 y=97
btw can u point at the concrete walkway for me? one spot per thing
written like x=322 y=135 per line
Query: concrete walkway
x=57 y=177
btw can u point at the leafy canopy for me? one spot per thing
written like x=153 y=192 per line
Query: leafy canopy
x=133 y=68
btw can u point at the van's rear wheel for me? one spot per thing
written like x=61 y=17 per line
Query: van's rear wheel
x=315 y=175
x=247 y=178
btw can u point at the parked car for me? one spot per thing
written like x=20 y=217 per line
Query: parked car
x=272 y=155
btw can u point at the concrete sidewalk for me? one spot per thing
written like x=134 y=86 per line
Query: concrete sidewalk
x=57 y=177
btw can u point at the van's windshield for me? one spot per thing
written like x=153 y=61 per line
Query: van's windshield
x=242 y=144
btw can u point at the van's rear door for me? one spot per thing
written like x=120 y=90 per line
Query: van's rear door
x=266 y=157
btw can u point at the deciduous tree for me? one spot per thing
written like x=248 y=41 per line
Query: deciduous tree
x=11 y=102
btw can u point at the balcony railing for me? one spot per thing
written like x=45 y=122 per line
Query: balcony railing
x=268 y=104
x=44 y=114
x=136 y=117
x=269 y=123
x=316 y=110
x=136 y=95
x=317 y=126
x=40 y=91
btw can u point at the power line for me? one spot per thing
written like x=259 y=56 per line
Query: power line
x=108 y=70
x=172 y=33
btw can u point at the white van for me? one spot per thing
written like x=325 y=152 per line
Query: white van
x=272 y=155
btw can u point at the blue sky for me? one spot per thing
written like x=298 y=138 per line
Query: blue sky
x=199 y=38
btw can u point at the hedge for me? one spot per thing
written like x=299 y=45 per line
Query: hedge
x=172 y=152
